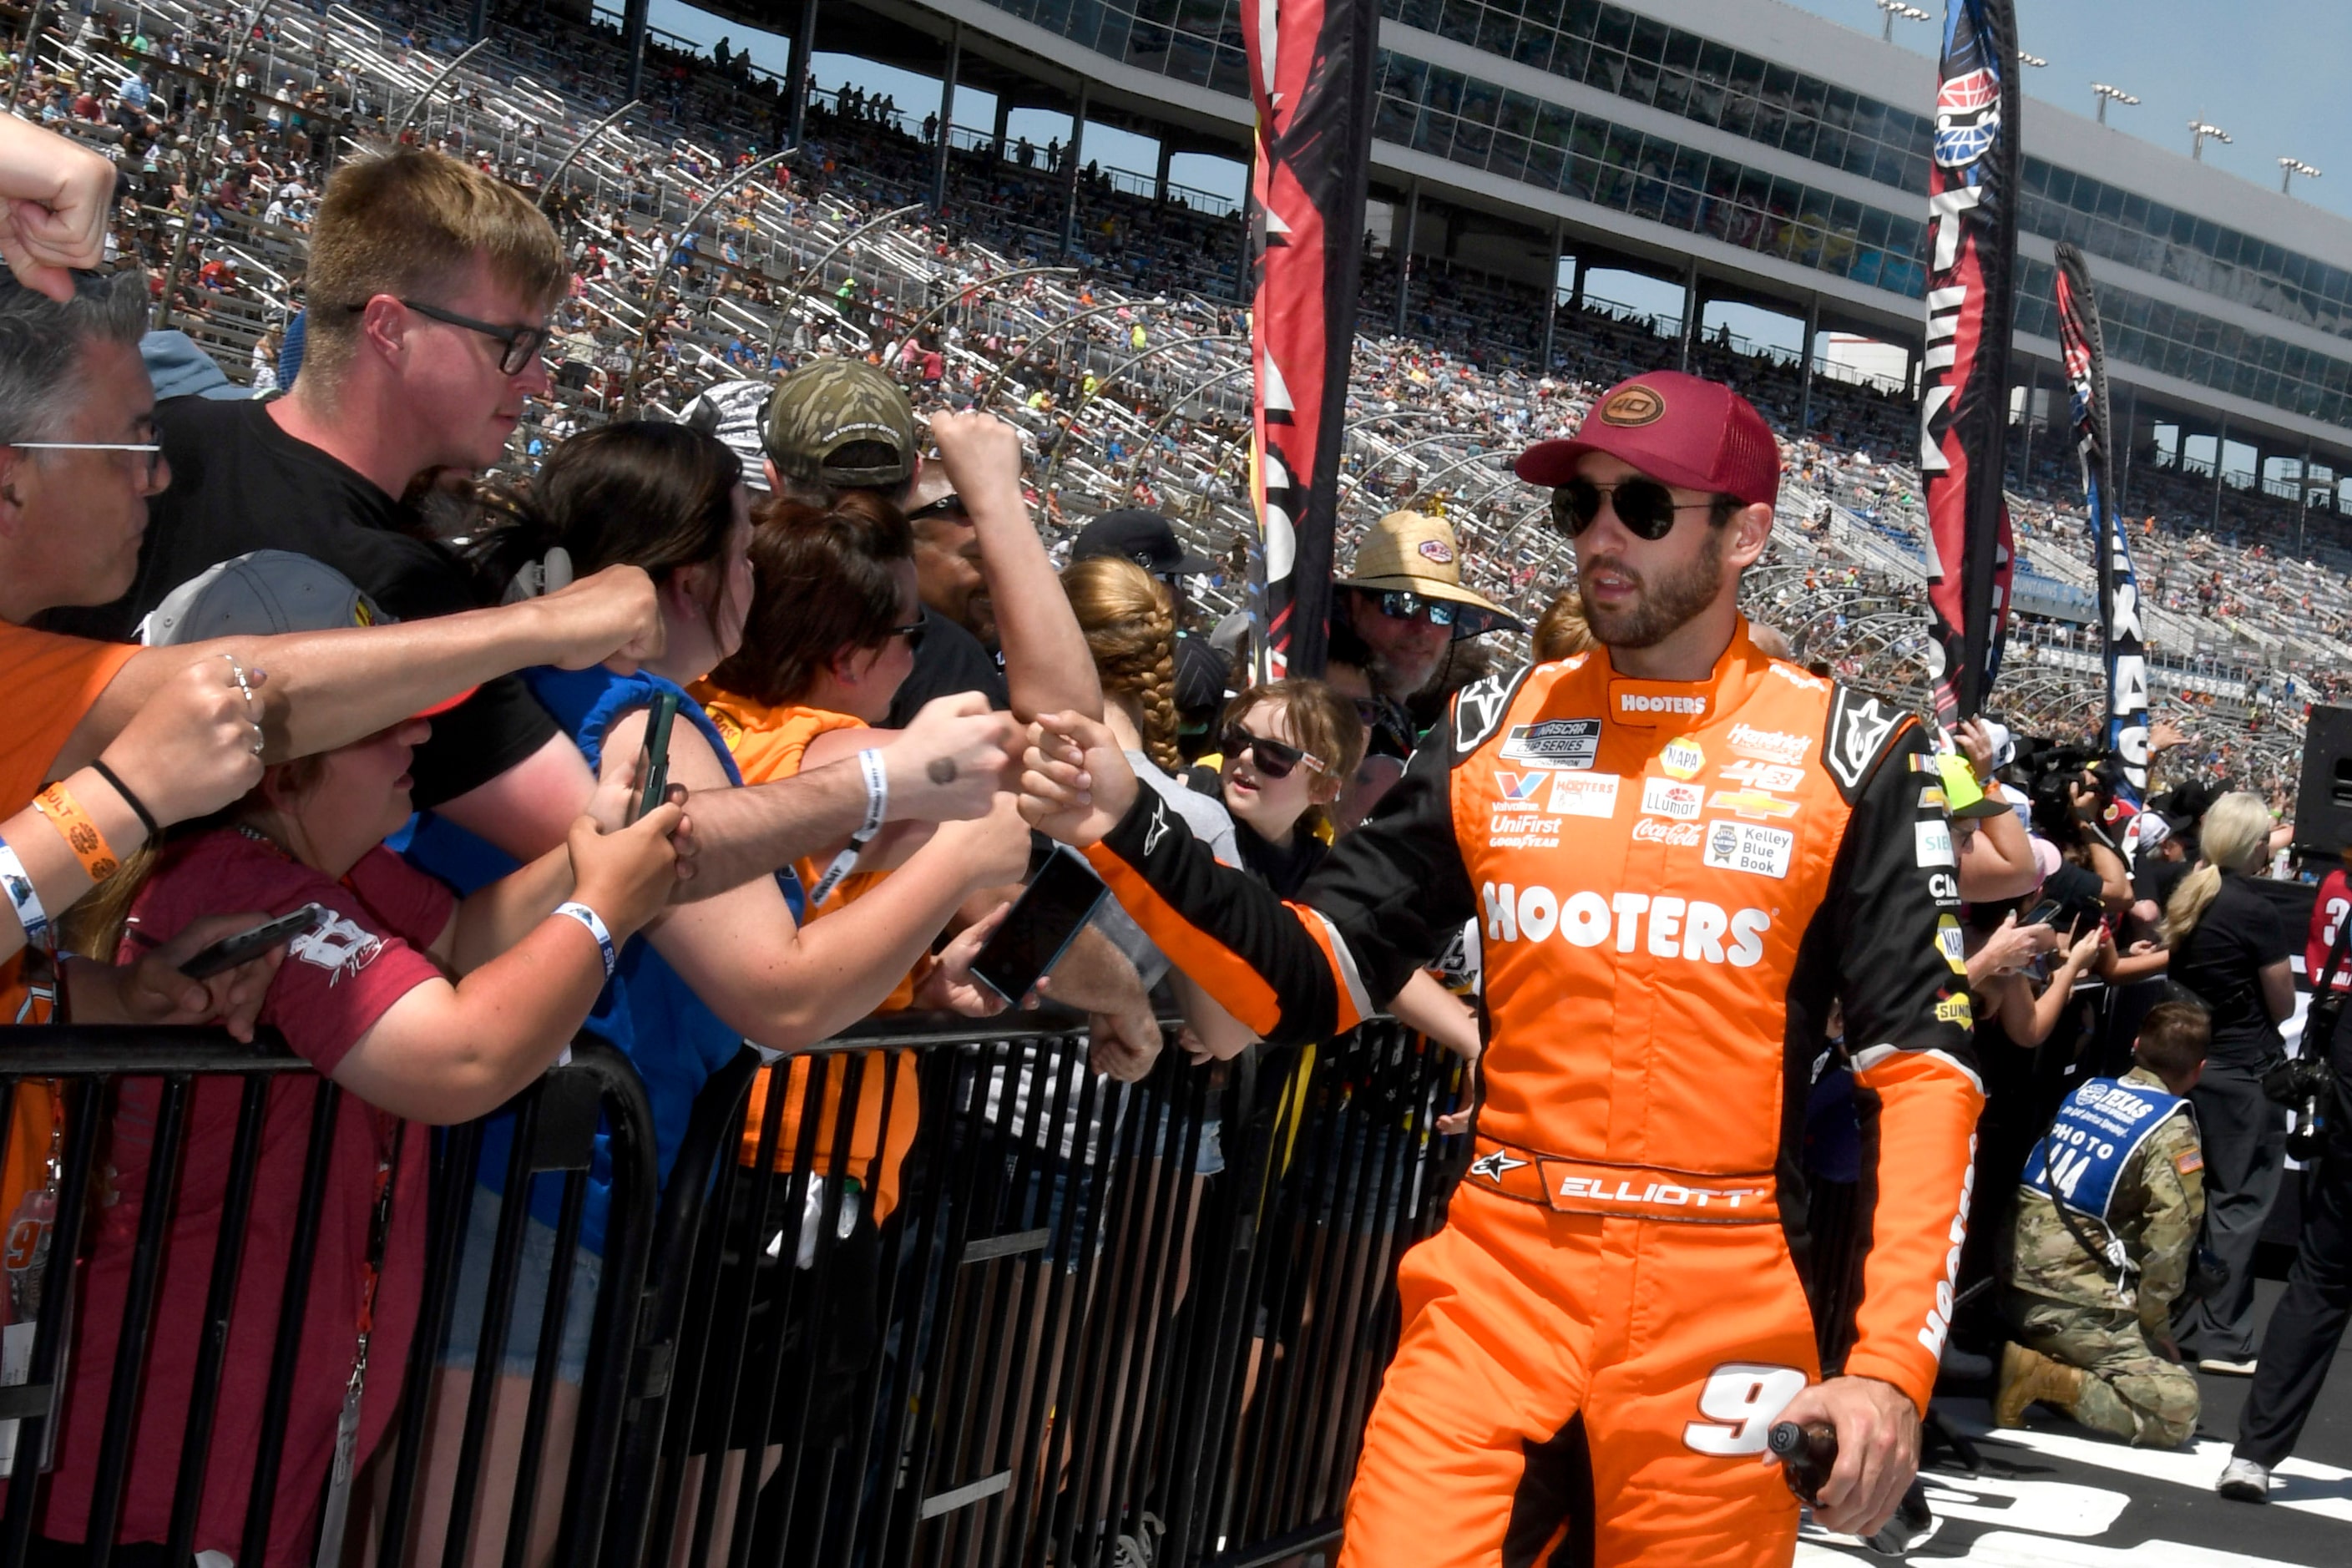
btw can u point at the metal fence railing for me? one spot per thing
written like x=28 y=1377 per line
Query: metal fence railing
x=934 y=1292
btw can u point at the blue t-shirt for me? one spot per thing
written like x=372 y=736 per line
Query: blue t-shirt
x=647 y=1011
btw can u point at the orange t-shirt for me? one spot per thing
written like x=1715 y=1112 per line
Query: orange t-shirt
x=769 y=743
x=52 y=682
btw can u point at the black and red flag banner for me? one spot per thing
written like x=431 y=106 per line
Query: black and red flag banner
x=1311 y=67
x=2119 y=625
x=1972 y=180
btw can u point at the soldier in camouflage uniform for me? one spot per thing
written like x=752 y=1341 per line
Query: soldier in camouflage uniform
x=2090 y=1288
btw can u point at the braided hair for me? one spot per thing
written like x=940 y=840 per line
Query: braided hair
x=1129 y=621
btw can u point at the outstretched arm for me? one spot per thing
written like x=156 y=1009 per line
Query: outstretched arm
x=1046 y=666
x=1386 y=901
x=325 y=690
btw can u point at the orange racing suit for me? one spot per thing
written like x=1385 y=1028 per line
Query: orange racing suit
x=1672 y=883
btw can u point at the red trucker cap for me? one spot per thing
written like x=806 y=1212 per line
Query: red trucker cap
x=1697 y=434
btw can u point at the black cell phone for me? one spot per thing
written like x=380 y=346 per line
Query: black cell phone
x=248 y=945
x=653 y=759
x=1049 y=914
x=2044 y=913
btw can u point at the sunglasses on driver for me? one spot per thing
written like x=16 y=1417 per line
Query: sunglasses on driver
x=1274 y=758
x=1645 y=506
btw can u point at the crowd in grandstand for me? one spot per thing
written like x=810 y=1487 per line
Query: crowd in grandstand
x=461 y=473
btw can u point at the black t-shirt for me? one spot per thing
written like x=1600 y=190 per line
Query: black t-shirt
x=1283 y=871
x=950 y=660
x=239 y=483
x=2220 y=960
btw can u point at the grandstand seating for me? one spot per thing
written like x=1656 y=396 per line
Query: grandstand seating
x=693 y=266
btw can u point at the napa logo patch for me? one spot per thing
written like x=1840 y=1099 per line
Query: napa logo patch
x=1683 y=759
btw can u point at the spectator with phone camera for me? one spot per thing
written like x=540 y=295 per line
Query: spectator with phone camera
x=421 y=1007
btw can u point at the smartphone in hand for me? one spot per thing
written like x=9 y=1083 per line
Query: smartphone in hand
x=653 y=759
x=1041 y=925
x=251 y=943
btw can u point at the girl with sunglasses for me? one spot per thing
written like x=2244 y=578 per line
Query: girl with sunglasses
x=1288 y=747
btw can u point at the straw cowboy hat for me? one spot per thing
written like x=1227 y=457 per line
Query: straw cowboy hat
x=1408 y=552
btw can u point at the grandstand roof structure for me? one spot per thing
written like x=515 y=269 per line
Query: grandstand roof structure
x=1748 y=150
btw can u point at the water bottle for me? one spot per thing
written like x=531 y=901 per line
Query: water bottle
x=1808 y=1453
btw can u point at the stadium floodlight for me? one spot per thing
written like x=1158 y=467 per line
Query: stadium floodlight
x=1895 y=8
x=2197 y=132
x=2025 y=59
x=2103 y=93
x=2289 y=168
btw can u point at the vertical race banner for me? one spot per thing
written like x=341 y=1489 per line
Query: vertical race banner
x=1964 y=376
x=1310 y=68
x=2126 y=728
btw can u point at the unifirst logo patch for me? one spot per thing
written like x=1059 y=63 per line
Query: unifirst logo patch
x=1684 y=759
x=1584 y=795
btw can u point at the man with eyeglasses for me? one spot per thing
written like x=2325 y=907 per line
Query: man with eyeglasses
x=1392 y=625
x=1680 y=854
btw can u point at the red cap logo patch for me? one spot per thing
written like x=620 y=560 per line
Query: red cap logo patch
x=1635 y=404
x=1437 y=550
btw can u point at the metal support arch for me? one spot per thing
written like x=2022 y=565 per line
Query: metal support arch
x=210 y=138
x=555 y=178
x=652 y=295
x=988 y=393
x=776 y=335
x=1045 y=481
x=942 y=309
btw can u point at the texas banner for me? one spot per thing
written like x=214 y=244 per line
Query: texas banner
x=1310 y=68
x=2126 y=649
x=1964 y=375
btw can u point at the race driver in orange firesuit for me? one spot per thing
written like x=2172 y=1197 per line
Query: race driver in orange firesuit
x=1678 y=852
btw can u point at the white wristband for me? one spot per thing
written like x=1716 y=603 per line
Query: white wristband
x=877 y=794
x=595 y=925
x=25 y=900
x=877 y=806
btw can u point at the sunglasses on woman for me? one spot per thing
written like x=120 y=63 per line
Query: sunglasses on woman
x=1274 y=759
x=1645 y=506
x=912 y=631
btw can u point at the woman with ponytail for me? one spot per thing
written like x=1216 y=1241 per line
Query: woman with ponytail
x=1130 y=625
x=2230 y=948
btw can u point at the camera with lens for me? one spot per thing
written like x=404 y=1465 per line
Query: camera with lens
x=2304 y=1084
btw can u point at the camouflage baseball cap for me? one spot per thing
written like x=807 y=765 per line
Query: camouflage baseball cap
x=831 y=404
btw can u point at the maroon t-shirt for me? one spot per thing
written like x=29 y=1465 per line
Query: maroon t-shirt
x=332 y=987
x=2328 y=912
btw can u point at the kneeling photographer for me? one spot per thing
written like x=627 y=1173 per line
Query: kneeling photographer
x=2307 y=1324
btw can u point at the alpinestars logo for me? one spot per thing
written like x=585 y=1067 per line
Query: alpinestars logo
x=1492 y=1166
x=1159 y=828
x=1858 y=728
x=1479 y=707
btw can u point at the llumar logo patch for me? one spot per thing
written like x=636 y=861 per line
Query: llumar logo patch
x=1634 y=405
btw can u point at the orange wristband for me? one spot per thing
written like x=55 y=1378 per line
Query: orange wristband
x=64 y=814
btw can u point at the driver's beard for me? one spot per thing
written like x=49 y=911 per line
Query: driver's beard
x=1662 y=607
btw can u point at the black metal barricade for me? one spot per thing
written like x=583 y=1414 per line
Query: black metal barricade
x=952 y=1297
x=555 y=1125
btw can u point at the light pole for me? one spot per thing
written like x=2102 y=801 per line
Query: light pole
x=2289 y=168
x=2105 y=93
x=1895 y=8
x=2198 y=131
x=2025 y=59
